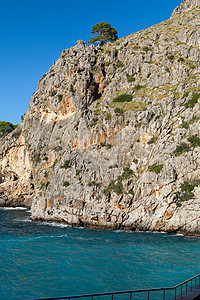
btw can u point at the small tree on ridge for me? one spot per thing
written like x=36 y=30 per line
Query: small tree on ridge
x=103 y=32
x=6 y=127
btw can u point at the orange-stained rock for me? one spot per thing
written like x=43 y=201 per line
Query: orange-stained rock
x=168 y=214
x=145 y=137
x=121 y=207
x=66 y=107
x=74 y=144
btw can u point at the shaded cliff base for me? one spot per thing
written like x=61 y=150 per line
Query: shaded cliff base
x=115 y=227
x=15 y=203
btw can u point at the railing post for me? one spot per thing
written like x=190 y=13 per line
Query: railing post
x=175 y=293
x=181 y=291
x=112 y=296
x=130 y=295
x=148 y=295
x=163 y=294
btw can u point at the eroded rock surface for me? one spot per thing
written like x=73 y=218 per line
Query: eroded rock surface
x=85 y=158
x=185 y=6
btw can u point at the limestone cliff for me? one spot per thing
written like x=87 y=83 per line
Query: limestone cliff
x=16 y=181
x=111 y=136
x=185 y=6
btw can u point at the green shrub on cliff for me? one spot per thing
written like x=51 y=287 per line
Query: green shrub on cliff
x=6 y=127
x=171 y=57
x=119 y=64
x=155 y=168
x=189 y=186
x=116 y=187
x=60 y=97
x=130 y=78
x=47 y=184
x=182 y=148
x=123 y=98
x=194 y=140
x=94 y=183
x=181 y=59
x=191 y=103
x=152 y=140
x=191 y=121
x=78 y=171
x=119 y=111
x=187 y=191
x=138 y=87
x=146 y=49
x=53 y=93
x=126 y=174
x=131 y=192
x=108 y=116
x=66 y=164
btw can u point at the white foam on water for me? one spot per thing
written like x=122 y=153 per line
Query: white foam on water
x=24 y=220
x=117 y=231
x=125 y=231
x=52 y=224
x=13 y=208
x=179 y=234
x=85 y=238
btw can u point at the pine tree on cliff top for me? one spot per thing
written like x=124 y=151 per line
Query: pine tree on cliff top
x=6 y=127
x=103 y=32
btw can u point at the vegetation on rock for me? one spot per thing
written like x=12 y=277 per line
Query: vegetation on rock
x=187 y=191
x=191 y=103
x=103 y=32
x=183 y=147
x=155 y=168
x=123 y=98
x=66 y=164
x=6 y=127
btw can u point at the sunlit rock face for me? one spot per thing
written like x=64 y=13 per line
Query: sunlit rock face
x=111 y=136
x=185 y=6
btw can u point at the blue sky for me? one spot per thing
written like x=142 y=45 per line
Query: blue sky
x=33 y=34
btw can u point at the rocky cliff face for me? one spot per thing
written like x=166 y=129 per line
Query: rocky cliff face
x=111 y=136
x=185 y=6
x=16 y=180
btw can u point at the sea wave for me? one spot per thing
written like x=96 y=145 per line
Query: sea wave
x=52 y=224
x=13 y=208
x=23 y=220
x=85 y=238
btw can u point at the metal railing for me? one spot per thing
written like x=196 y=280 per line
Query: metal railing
x=188 y=285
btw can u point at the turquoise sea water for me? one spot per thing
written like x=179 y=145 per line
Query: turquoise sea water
x=40 y=260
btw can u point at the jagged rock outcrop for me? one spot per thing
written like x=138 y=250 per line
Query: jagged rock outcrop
x=185 y=6
x=111 y=136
